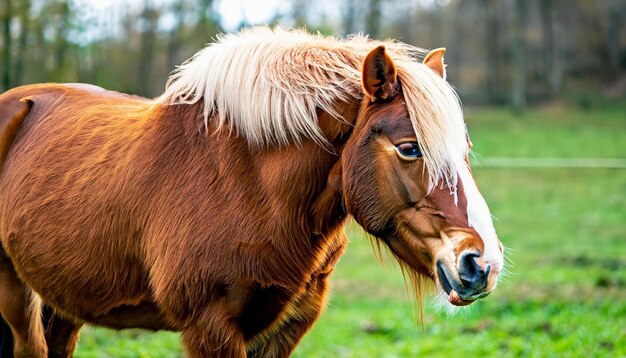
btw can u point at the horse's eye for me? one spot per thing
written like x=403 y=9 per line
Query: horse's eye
x=409 y=151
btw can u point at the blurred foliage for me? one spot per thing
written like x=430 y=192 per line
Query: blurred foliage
x=516 y=52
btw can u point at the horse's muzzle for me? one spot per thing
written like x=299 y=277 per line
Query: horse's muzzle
x=470 y=282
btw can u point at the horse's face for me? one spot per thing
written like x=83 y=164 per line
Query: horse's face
x=440 y=233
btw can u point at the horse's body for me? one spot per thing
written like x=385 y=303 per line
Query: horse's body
x=127 y=212
x=91 y=188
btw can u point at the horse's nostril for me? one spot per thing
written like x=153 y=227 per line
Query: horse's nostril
x=472 y=275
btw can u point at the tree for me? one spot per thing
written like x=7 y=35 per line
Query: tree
x=175 y=36
x=551 y=53
x=300 y=12
x=518 y=92
x=373 y=17
x=20 y=58
x=616 y=16
x=349 y=16
x=149 y=19
x=208 y=24
x=7 y=17
x=492 y=50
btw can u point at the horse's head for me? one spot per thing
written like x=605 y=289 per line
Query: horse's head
x=407 y=179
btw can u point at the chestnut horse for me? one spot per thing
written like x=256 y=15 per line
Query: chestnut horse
x=217 y=209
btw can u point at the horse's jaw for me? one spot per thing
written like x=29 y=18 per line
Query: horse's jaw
x=450 y=258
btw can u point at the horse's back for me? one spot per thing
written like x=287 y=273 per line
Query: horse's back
x=65 y=211
x=40 y=100
x=55 y=90
x=47 y=97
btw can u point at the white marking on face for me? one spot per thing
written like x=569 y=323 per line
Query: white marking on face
x=479 y=218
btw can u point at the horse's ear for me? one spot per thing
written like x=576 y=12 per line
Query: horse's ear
x=434 y=60
x=379 y=75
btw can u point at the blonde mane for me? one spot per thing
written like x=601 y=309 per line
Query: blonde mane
x=268 y=84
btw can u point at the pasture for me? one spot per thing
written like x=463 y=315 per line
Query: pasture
x=565 y=232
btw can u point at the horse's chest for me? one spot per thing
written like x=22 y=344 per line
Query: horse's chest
x=272 y=309
x=264 y=306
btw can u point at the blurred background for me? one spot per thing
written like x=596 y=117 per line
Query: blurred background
x=502 y=52
x=544 y=88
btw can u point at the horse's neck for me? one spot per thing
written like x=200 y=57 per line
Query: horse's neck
x=285 y=204
x=329 y=209
x=323 y=170
x=300 y=182
x=306 y=184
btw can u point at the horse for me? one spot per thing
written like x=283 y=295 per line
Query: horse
x=217 y=209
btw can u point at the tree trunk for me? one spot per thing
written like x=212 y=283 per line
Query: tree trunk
x=349 y=17
x=456 y=45
x=24 y=15
x=492 y=54
x=300 y=12
x=149 y=18
x=519 y=56
x=175 y=38
x=550 y=52
x=7 y=41
x=558 y=33
x=372 y=21
x=208 y=20
x=60 y=43
x=613 y=41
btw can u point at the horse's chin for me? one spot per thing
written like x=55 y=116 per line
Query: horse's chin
x=449 y=303
x=449 y=294
x=455 y=299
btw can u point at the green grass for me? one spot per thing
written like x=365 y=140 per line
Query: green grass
x=565 y=232
x=557 y=131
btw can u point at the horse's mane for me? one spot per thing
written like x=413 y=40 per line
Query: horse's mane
x=268 y=84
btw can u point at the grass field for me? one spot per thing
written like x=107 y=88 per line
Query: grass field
x=565 y=230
